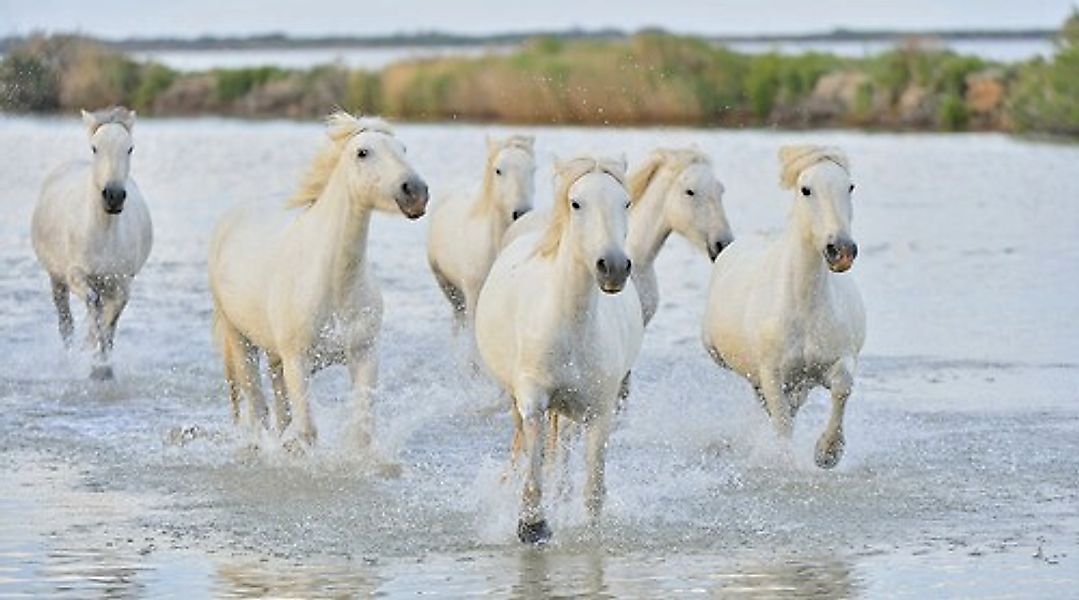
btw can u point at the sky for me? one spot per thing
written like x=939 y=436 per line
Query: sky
x=189 y=18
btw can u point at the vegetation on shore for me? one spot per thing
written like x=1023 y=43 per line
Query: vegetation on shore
x=651 y=78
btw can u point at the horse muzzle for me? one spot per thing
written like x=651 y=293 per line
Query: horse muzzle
x=714 y=248
x=612 y=271
x=412 y=198
x=840 y=255
x=113 y=197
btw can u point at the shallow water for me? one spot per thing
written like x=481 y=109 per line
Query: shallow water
x=961 y=476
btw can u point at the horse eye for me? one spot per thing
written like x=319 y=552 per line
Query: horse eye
x=805 y=191
x=576 y=205
x=130 y=150
x=690 y=193
x=852 y=188
x=362 y=153
x=627 y=204
x=94 y=148
x=498 y=171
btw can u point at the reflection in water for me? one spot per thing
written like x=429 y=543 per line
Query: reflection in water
x=543 y=573
x=262 y=580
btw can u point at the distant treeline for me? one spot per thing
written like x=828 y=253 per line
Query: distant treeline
x=649 y=78
x=276 y=41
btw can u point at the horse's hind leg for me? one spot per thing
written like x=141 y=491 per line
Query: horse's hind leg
x=61 y=298
x=282 y=410
x=222 y=333
x=241 y=371
x=839 y=382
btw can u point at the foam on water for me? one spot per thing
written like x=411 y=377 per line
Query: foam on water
x=962 y=448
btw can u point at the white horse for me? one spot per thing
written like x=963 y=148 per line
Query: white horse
x=547 y=334
x=673 y=191
x=465 y=234
x=92 y=233
x=783 y=317
x=294 y=281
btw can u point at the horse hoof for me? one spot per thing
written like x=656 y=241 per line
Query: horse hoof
x=828 y=454
x=101 y=373
x=537 y=533
x=298 y=444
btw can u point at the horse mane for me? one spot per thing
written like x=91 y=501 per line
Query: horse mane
x=567 y=173
x=495 y=147
x=118 y=115
x=794 y=159
x=678 y=158
x=340 y=128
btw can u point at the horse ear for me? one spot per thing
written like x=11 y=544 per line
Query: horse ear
x=129 y=120
x=530 y=141
x=492 y=145
x=90 y=121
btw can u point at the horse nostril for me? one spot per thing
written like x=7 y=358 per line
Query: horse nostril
x=406 y=188
x=629 y=265
x=853 y=250
x=121 y=195
x=601 y=265
x=517 y=214
x=831 y=251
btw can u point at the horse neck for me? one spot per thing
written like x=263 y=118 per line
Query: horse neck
x=340 y=227
x=805 y=273
x=647 y=229
x=486 y=206
x=575 y=292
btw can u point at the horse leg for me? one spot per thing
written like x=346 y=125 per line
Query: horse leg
x=282 y=411
x=776 y=402
x=595 y=486
x=301 y=431
x=115 y=300
x=840 y=382
x=231 y=351
x=242 y=373
x=61 y=298
x=532 y=402
x=623 y=393
x=95 y=317
x=363 y=369
x=455 y=296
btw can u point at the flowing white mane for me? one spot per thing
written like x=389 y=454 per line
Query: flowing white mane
x=677 y=159
x=340 y=128
x=567 y=173
x=794 y=159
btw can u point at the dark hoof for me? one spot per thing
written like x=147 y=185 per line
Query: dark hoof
x=537 y=533
x=101 y=373
x=828 y=455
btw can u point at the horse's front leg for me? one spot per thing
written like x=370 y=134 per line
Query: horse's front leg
x=771 y=389
x=282 y=411
x=300 y=433
x=532 y=403
x=114 y=302
x=595 y=486
x=61 y=298
x=363 y=369
x=840 y=382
